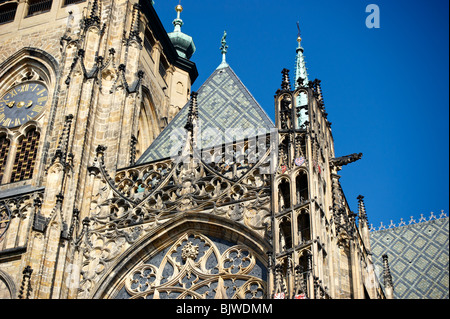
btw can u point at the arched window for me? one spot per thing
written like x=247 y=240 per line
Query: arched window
x=302 y=110
x=25 y=159
x=305 y=264
x=303 y=226
x=285 y=234
x=284 y=197
x=301 y=186
x=303 y=269
x=4 y=150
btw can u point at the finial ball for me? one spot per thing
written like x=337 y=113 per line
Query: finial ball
x=178 y=8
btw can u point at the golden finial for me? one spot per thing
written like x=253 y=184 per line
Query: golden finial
x=299 y=38
x=179 y=8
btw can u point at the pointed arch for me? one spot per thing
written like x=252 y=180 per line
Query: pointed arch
x=7 y=282
x=301 y=187
x=284 y=194
x=303 y=226
x=285 y=233
x=28 y=63
x=206 y=247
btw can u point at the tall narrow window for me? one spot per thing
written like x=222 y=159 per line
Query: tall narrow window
x=148 y=41
x=25 y=157
x=285 y=234
x=303 y=269
x=284 y=198
x=302 y=187
x=162 y=69
x=4 y=150
x=302 y=110
x=304 y=232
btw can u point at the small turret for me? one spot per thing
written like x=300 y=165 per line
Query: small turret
x=363 y=222
x=301 y=80
x=300 y=65
x=182 y=42
x=388 y=284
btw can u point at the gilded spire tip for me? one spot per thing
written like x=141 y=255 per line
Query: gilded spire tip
x=299 y=38
x=178 y=22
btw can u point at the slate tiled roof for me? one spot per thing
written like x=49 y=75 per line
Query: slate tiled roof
x=418 y=258
x=223 y=102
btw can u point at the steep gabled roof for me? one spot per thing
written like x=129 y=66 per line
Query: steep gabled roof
x=223 y=103
x=418 y=257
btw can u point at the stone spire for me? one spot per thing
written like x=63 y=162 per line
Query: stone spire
x=300 y=65
x=135 y=24
x=363 y=222
x=94 y=9
x=301 y=80
x=182 y=42
x=362 y=211
x=388 y=284
x=285 y=82
x=192 y=115
x=92 y=18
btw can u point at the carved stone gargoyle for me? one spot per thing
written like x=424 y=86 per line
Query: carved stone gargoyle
x=338 y=162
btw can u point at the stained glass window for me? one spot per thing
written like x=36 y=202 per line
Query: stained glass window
x=25 y=157
x=4 y=150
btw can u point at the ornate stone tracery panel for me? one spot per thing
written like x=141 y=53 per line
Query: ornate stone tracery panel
x=142 y=200
x=197 y=266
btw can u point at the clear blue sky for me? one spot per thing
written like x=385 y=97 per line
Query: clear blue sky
x=386 y=90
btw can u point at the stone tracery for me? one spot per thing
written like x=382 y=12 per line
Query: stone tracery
x=195 y=267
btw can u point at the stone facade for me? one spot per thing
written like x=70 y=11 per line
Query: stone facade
x=259 y=217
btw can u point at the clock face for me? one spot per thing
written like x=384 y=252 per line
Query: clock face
x=22 y=103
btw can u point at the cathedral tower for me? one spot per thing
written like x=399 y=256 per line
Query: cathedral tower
x=318 y=249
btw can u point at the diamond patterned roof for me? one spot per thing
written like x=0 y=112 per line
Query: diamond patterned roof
x=223 y=103
x=418 y=258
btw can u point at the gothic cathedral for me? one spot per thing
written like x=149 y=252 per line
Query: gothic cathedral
x=118 y=181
